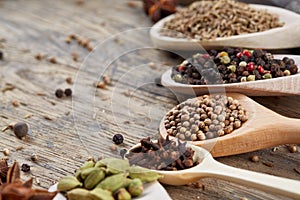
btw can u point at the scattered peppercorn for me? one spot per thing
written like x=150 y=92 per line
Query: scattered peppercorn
x=292 y=148
x=5 y=152
x=25 y=168
x=59 y=93
x=68 y=40
x=68 y=92
x=69 y=80
x=75 y=56
x=255 y=158
x=232 y=65
x=34 y=157
x=52 y=60
x=15 y=103
x=118 y=139
x=20 y=129
x=113 y=147
x=38 y=56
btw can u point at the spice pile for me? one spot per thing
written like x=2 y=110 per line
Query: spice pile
x=206 y=20
x=107 y=179
x=164 y=154
x=232 y=65
x=205 y=117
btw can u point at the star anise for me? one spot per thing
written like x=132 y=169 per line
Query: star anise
x=158 y=9
x=15 y=189
x=3 y=170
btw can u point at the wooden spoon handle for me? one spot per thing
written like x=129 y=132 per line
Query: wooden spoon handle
x=277 y=130
x=268 y=183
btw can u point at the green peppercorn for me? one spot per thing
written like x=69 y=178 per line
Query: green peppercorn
x=267 y=76
x=225 y=59
x=232 y=68
x=251 y=78
x=177 y=78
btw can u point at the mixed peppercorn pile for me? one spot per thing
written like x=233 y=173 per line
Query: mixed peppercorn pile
x=232 y=65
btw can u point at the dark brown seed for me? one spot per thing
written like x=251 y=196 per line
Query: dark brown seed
x=38 y=56
x=20 y=129
x=59 y=93
x=1 y=55
x=69 y=80
x=52 y=60
x=25 y=168
x=68 y=92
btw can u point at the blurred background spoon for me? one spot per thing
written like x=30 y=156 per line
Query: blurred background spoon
x=278 y=38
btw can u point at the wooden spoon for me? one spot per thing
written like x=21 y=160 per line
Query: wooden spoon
x=209 y=167
x=264 y=128
x=287 y=85
x=278 y=38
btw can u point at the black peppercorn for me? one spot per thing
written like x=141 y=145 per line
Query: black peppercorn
x=59 y=93
x=20 y=129
x=68 y=92
x=25 y=168
x=118 y=138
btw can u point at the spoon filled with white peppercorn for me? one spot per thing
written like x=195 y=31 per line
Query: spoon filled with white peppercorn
x=229 y=125
x=182 y=163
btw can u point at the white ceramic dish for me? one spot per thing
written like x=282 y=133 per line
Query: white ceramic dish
x=278 y=38
x=152 y=190
x=288 y=85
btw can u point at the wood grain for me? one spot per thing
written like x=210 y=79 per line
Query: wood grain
x=133 y=105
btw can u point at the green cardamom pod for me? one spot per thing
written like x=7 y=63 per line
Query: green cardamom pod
x=79 y=194
x=67 y=183
x=87 y=164
x=135 y=187
x=84 y=173
x=113 y=183
x=78 y=175
x=127 y=182
x=100 y=194
x=94 y=178
x=123 y=194
x=114 y=165
x=100 y=164
x=144 y=174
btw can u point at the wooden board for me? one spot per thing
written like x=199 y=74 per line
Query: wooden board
x=31 y=27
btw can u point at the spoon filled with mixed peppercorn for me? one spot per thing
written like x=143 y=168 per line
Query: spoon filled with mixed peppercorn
x=252 y=72
x=181 y=163
x=229 y=124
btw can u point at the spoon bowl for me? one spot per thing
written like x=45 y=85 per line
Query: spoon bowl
x=263 y=129
x=287 y=85
x=278 y=38
x=208 y=167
